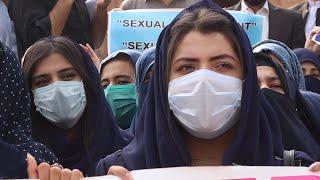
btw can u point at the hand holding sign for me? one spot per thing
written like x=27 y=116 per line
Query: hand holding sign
x=310 y=43
x=315 y=167
x=32 y=167
x=54 y=172
x=121 y=172
x=102 y=6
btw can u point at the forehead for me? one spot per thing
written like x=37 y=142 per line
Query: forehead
x=51 y=64
x=197 y=43
x=309 y=64
x=266 y=72
x=118 y=67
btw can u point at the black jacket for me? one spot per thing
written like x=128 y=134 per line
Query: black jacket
x=284 y=25
x=302 y=8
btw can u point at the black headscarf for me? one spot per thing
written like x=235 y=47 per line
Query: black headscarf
x=15 y=122
x=306 y=55
x=97 y=132
x=295 y=118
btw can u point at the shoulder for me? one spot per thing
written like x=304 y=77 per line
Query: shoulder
x=104 y=164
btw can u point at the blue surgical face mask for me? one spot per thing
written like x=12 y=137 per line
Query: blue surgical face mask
x=61 y=103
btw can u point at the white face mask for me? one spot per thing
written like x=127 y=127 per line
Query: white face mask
x=206 y=103
x=62 y=102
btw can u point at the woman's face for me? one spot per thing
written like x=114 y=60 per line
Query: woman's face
x=268 y=78
x=212 y=51
x=310 y=69
x=52 y=69
x=118 y=72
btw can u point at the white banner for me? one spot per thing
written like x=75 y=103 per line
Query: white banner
x=221 y=172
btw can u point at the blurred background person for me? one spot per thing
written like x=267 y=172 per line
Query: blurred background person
x=281 y=24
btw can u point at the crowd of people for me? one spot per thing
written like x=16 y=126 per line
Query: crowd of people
x=203 y=96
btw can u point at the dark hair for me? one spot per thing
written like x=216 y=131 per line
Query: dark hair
x=204 y=21
x=70 y=50
x=48 y=46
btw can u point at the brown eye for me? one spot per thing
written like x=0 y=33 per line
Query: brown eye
x=186 y=68
x=41 y=83
x=123 y=82
x=223 y=66
x=276 y=86
x=68 y=76
x=105 y=84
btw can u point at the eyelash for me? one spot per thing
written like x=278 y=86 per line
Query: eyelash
x=186 y=66
x=41 y=83
x=123 y=82
x=70 y=75
x=277 y=86
x=226 y=65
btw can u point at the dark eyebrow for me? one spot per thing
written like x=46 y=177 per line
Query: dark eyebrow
x=122 y=76
x=59 y=72
x=186 y=59
x=66 y=69
x=222 y=56
x=214 y=58
x=40 y=76
x=273 y=78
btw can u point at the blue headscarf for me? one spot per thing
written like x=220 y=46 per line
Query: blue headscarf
x=15 y=122
x=143 y=65
x=159 y=142
x=306 y=55
x=133 y=54
x=284 y=54
x=97 y=134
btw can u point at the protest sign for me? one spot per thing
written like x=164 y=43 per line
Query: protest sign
x=139 y=29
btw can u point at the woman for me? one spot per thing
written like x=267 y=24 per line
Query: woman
x=298 y=124
x=203 y=106
x=282 y=53
x=15 y=122
x=144 y=68
x=118 y=81
x=69 y=111
x=310 y=64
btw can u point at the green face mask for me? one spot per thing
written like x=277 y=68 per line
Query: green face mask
x=122 y=99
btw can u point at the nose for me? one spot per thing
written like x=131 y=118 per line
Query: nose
x=264 y=85
x=113 y=82
x=55 y=79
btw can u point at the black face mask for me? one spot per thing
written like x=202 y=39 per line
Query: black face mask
x=254 y=2
x=294 y=131
x=312 y=84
